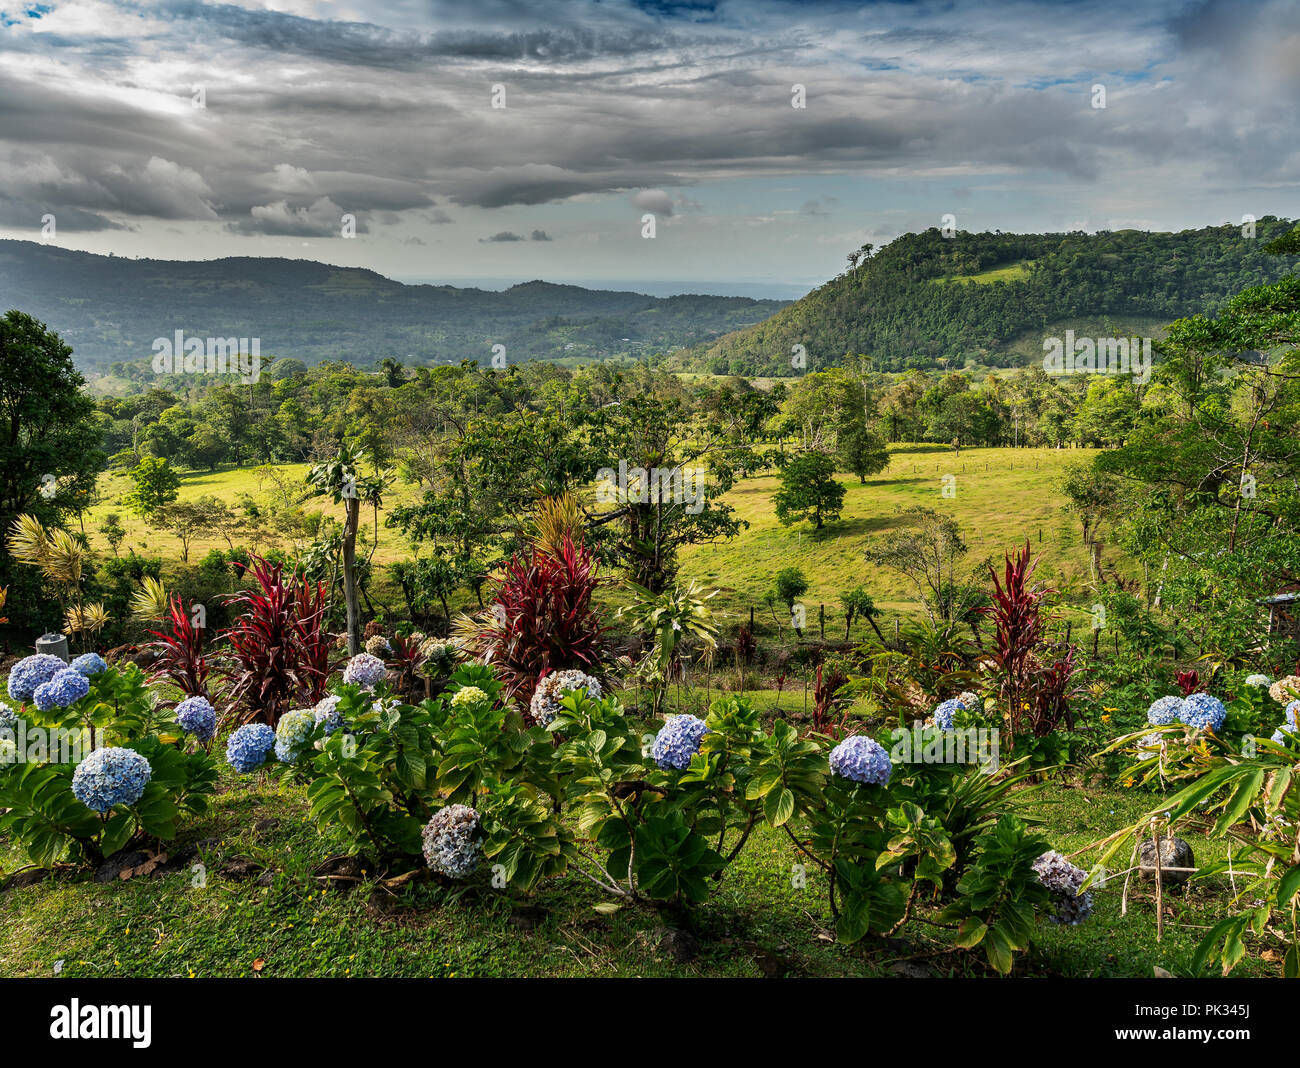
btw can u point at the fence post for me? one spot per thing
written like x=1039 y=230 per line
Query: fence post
x=821 y=620
x=751 y=619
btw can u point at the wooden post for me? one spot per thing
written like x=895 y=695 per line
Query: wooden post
x=751 y=619
x=821 y=619
x=1160 y=880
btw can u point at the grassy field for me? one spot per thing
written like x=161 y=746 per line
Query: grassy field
x=1000 y=497
x=758 y=923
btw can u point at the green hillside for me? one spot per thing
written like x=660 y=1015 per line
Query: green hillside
x=989 y=299
x=110 y=309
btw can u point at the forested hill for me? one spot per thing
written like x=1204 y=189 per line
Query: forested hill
x=110 y=309
x=991 y=298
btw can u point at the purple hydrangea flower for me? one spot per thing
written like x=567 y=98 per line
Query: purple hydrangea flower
x=111 y=777
x=450 y=845
x=1164 y=711
x=862 y=759
x=197 y=716
x=89 y=664
x=327 y=712
x=678 y=740
x=66 y=688
x=365 y=670
x=1202 y=711
x=247 y=747
x=1064 y=880
x=31 y=672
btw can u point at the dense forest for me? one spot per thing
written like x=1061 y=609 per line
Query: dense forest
x=927 y=301
x=110 y=309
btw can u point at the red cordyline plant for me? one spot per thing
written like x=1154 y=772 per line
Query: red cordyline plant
x=540 y=618
x=1188 y=681
x=180 y=650
x=279 y=649
x=1036 y=695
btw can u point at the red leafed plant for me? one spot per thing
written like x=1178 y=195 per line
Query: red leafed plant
x=1188 y=681
x=180 y=651
x=1035 y=694
x=313 y=639
x=279 y=649
x=831 y=675
x=406 y=653
x=540 y=618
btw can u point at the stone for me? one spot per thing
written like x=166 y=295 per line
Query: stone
x=682 y=946
x=54 y=645
x=1174 y=853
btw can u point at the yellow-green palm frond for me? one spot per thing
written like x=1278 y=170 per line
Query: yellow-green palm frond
x=62 y=558
x=28 y=541
x=150 y=601
x=86 y=618
x=556 y=518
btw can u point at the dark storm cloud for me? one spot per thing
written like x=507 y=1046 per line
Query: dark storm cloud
x=389 y=114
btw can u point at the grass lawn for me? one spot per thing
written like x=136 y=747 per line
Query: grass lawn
x=759 y=922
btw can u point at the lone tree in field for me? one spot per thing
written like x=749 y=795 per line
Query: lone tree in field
x=861 y=450
x=808 y=490
x=156 y=486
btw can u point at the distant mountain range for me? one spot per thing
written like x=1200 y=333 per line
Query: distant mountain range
x=111 y=309
x=932 y=300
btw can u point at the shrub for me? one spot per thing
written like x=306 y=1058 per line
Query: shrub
x=540 y=619
x=277 y=645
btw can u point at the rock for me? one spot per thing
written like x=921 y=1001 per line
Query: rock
x=682 y=946
x=30 y=877
x=113 y=867
x=263 y=826
x=1174 y=853
x=240 y=868
x=911 y=969
x=526 y=917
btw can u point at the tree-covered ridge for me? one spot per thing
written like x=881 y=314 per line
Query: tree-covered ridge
x=110 y=310
x=891 y=306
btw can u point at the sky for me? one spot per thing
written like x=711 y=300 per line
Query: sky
x=501 y=140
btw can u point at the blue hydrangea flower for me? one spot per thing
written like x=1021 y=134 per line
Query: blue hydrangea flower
x=8 y=717
x=1258 y=681
x=33 y=671
x=1200 y=711
x=327 y=712
x=292 y=734
x=111 y=777
x=863 y=759
x=89 y=664
x=247 y=747
x=66 y=688
x=1164 y=711
x=678 y=740
x=1291 y=711
x=945 y=711
x=197 y=716
x=1286 y=734
x=365 y=671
